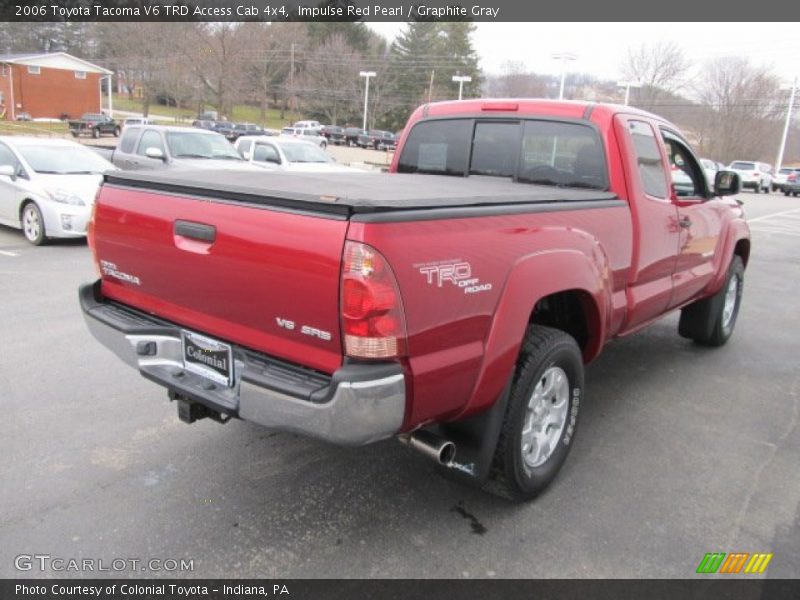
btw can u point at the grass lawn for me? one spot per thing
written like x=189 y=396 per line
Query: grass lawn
x=59 y=128
x=241 y=113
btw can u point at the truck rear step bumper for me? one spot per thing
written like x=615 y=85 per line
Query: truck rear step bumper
x=356 y=405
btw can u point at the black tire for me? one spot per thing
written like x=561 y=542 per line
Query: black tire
x=95 y=133
x=323 y=145
x=32 y=224
x=544 y=350
x=706 y=321
x=758 y=188
x=786 y=193
x=74 y=134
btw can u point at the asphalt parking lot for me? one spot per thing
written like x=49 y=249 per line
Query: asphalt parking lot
x=682 y=450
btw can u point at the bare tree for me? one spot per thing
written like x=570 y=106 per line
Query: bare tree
x=220 y=52
x=516 y=82
x=744 y=110
x=268 y=59
x=330 y=84
x=659 y=68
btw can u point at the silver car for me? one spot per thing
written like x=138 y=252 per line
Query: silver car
x=161 y=146
x=47 y=186
x=307 y=134
x=289 y=154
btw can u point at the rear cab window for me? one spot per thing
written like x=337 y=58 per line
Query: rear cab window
x=537 y=151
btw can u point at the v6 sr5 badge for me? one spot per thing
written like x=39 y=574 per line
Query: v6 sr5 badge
x=453 y=272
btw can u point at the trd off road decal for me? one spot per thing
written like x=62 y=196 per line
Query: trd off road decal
x=452 y=272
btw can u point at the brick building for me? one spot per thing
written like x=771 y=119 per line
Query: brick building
x=49 y=85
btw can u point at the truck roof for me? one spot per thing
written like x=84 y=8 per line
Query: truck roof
x=525 y=107
x=341 y=193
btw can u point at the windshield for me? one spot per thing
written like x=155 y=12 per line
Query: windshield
x=304 y=153
x=743 y=166
x=191 y=144
x=63 y=160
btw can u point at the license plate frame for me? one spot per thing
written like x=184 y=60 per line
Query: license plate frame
x=207 y=357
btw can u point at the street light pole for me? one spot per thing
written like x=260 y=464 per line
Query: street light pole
x=628 y=85
x=461 y=79
x=786 y=125
x=367 y=75
x=563 y=57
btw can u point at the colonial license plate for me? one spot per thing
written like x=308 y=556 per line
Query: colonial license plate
x=210 y=358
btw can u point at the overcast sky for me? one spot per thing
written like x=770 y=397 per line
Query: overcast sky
x=601 y=47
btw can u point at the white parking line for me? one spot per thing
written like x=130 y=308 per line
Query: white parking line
x=777 y=214
x=6 y=253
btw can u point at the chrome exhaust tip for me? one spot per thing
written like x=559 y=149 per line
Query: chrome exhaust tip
x=431 y=445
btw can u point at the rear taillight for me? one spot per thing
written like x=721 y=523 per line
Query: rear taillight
x=90 y=233
x=373 y=320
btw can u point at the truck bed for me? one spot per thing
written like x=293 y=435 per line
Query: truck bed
x=345 y=194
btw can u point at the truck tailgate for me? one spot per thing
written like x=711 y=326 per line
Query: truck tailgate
x=262 y=278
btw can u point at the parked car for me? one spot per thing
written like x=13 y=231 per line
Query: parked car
x=792 y=185
x=710 y=168
x=308 y=125
x=289 y=154
x=452 y=302
x=781 y=177
x=205 y=124
x=23 y=116
x=162 y=146
x=334 y=134
x=753 y=174
x=308 y=134
x=136 y=121
x=95 y=125
x=377 y=140
x=48 y=186
x=351 y=135
x=225 y=128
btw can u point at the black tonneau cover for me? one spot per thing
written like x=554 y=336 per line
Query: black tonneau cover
x=346 y=193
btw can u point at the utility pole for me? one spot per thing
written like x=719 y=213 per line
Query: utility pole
x=786 y=125
x=461 y=79
x=367 y=75
x=628 y=85
x=291 y=83
x=563 y=57
x=430 y=86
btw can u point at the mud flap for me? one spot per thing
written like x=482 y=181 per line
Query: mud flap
x=476 y=441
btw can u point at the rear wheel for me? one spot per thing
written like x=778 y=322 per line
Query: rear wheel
x=710 y=322
x=95 y=133
x=541 y=417
x=33 y=224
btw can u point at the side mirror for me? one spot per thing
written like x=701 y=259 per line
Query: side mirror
x=154 y=152
x=8 y=171
x=246 y=155
x=727 y=183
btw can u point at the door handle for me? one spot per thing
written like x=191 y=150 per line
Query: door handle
x=685 y=222
x=196 y=231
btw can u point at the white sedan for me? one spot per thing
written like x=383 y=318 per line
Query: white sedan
x=289 y=154
x=47 y=186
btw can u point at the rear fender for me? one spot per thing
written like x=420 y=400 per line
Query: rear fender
x=535 y=276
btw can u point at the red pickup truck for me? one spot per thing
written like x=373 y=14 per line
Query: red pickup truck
x=452 y=302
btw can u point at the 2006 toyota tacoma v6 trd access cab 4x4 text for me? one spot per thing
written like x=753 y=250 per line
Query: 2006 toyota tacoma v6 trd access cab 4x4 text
x=452 y=302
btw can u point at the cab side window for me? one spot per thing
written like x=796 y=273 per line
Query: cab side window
x=648 y=159
x=150 y=139
x=128 y=141
x=266 y=153
x=688 y=179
